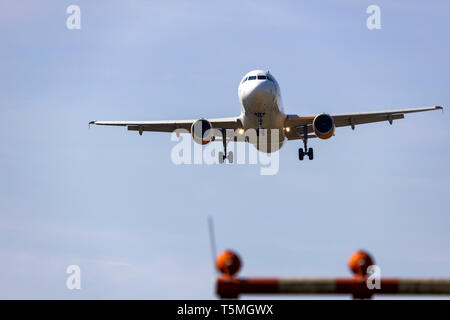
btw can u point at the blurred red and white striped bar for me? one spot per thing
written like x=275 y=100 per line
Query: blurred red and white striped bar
x=231 y=287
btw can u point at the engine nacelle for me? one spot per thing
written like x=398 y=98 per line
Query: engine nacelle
x=323 y=126
x=202 y=131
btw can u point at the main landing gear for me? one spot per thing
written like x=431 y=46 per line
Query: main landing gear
x=224 y=155
x=309 y=152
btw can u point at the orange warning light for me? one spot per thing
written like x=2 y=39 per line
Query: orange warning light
x=359 y=262
x=228 y=263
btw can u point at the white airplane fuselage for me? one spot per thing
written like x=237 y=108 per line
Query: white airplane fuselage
x=259 y=95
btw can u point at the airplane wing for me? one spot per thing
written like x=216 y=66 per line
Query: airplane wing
x=298 y=123
x=170 y=125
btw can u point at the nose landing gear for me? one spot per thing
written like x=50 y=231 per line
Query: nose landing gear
x=309 y=152
x=260 y=121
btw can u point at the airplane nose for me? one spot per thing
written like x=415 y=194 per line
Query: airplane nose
x=261 y=94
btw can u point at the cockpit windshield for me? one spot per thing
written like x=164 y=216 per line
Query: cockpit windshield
x=259 y=77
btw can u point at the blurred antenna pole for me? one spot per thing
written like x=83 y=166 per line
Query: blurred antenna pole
x=212 y=241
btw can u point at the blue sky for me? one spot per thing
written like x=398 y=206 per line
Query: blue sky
x=113 y=202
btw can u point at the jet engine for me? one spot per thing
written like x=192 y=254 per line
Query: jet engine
x=323 y=126
x=202 y=131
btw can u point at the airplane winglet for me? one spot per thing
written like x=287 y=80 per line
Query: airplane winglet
x=91 y=122
x=439 y=108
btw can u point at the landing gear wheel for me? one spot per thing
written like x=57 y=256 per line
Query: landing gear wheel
x=301 y=154
x=230 y=157
x=221 y=157
x=311 y=153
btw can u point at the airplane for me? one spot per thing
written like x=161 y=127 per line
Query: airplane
x=262 y=111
